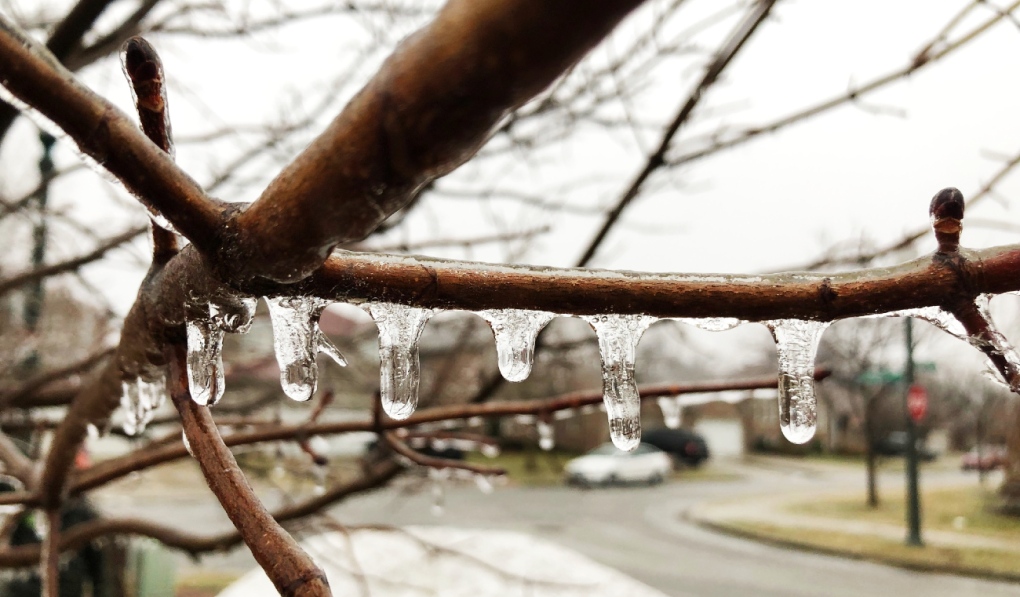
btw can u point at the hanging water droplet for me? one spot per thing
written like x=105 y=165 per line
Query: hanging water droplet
x=797 y=344
x=92 y=430
x=187 y=444
x=205 y=361
x=400 y=327
x=297 y=339
x=515 y=332
x=710 y=324
x=546 y=435
x=671 y=410
x=618 y=337
x=490 y=450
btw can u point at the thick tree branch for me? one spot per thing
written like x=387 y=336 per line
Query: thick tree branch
x=63 y=40
x=106 y=135
x=428 y=109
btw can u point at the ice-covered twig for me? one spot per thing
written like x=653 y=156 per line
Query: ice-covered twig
x=400 y=447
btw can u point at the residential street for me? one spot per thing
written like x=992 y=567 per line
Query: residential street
x=640 y=531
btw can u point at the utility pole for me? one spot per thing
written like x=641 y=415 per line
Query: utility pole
x=913 y=500
x=34 y=293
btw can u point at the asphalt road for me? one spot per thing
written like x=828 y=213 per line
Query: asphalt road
x=641 y=531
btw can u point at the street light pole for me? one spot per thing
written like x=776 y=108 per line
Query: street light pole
x=913 y=500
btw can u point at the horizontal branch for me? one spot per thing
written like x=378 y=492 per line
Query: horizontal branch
x=468 y=286
x=72 y=264
x=24 y=391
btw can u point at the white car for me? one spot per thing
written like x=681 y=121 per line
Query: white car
x=607 y=464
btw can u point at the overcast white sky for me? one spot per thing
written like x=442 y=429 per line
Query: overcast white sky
x=779 y=201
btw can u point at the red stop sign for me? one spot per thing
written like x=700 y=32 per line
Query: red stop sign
x=917 y=402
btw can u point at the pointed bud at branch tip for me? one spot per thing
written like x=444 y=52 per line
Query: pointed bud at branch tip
x=946 y=213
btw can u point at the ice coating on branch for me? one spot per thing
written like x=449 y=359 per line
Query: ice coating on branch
x=710 y=324
x=205 y=361
x=139 y=399
x=187 y=444
x=998 y=343
x=938 y=317
x=546 y=435
x=400 y=328
x=618 y=339
x=670 y=407
x=797 y=344
x=515 y=332
x=297 y=339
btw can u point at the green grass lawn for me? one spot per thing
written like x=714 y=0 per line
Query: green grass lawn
x=980 y=562
x=960 y=509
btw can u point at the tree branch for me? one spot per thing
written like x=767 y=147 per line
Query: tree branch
x=291 y=570
x=428 y=109
x=72 y=264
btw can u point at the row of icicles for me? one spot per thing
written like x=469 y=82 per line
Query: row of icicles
x=297 y=340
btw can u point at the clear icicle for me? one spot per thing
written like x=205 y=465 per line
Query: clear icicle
x=400 y=327
x=998 y=342
x=136 y=399
x=797 y=344
x=205 y=361
x=297 y=339
x=618 y=339
x=515 y=332
x=670 y=406
x=711 y=324
x=187 y=444
x=546 y=435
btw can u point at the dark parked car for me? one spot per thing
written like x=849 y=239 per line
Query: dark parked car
x=895 y=444
x=682 y=444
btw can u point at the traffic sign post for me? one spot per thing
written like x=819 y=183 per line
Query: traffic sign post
x=915 y=402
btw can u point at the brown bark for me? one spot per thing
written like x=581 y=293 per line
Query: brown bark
x=290 y=569
x=428 y=109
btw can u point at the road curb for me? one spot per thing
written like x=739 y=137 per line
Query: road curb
x=733 y=531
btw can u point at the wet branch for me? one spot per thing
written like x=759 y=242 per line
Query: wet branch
x=291 y=570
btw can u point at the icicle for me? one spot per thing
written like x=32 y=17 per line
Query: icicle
x=92 y=431
x=205 y=361
x=235 y=317
x=136 y=413
x=152 y=392
x=711 y=324
x=515 y=332
x=297 y=339
x=187 y=444
x=400 y=327
x=546 y=435
x=618 y=339
x=998 y=342
x=671 y=410
x=489 y=450
x=797 y=344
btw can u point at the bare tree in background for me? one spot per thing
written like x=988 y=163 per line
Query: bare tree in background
x=476 y=78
